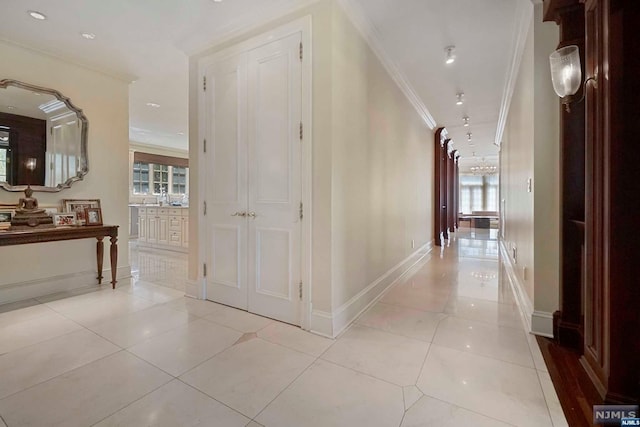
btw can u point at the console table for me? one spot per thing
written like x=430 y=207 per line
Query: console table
x=99 y=232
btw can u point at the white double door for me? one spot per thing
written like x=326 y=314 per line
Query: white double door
x=252 y=104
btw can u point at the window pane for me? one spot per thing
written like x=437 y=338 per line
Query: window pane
x=140 y=177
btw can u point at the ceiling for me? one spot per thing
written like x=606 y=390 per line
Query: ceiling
x=145 y=41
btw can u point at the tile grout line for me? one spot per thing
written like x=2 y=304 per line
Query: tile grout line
x=283 y=390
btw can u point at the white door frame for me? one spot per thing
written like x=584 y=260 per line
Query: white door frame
x=302 y=26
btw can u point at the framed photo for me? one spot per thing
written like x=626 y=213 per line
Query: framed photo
x=6 y=215
x=93 y=216
x=50 y=209
x=64 y=219
x=78 y=206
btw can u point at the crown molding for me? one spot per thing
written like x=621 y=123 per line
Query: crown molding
x=367 y=30
x=517 y=50
x=125 y=77
x=250 y=22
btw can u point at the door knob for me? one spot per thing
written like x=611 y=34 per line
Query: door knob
x=252 y=215
x=242 y=214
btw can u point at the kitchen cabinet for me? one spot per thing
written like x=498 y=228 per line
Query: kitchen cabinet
x=164 y=228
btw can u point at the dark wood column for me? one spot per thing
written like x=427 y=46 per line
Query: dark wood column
x=456 y=186
x=440 y=186
x=568 y=320
x=451 y=191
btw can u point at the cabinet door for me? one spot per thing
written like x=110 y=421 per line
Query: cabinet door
x=163 y=230
x=185 y=232
x=152 y=229
x=142 y=228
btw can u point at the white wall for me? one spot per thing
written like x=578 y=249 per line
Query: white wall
x=382 y=168
x=530 y=149
x=38 y=269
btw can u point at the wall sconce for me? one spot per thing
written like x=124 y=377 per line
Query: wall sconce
x=566 y=74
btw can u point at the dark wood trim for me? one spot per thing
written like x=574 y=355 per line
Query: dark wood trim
x=11 y=238
x=158 y=159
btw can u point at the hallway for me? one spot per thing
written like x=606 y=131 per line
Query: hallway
x=444 y=346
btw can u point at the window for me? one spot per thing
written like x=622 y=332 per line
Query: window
x=478 y=193
x=151 y=178
x=179 y=180
x=160 y=179
x=140 y=178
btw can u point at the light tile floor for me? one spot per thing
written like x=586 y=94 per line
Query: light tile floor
x=445 y=346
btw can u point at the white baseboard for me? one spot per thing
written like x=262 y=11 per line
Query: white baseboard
x=13 y=292
x=194 y=289
x=332 y=324
x=522 y=299
x=542 y=323
x=321 y=323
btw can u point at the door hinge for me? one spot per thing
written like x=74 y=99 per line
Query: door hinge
x=301 y=131
x=301 y=52
x=300 y=289
x=301 y=212
x=204 y=83
x=205 y=145
x=205 y=208
x=204 y=269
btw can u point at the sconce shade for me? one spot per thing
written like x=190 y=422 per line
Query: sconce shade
x=565 y=70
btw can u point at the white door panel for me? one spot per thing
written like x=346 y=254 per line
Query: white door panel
x=274 y=115
x=226 y=185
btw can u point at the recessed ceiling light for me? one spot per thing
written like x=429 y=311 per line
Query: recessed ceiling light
x=180 y=133
x=451 y=56
x=37 y=15
x=460 y=98
x=469 y=135
x=11 y=107
x=153 y=105
x=465 y=119
x=88 y=36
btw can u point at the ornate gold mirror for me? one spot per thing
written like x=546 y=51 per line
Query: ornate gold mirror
x=43 y=138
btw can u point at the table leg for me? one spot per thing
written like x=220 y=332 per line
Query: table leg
x=114 y=260
x=100 y=256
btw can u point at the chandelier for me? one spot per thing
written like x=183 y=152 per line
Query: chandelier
x=484 y=170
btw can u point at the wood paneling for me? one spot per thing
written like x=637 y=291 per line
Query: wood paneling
x=157 y=159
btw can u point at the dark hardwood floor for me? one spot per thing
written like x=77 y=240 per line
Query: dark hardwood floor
x=576 y=393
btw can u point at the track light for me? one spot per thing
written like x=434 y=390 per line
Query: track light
x=451 y=56
x=469 y=135
x=460 y=98
x=465 y=120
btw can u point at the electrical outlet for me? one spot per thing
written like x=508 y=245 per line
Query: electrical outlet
x=413 y=244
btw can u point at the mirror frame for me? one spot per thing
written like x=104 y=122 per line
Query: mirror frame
x=84 y=159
